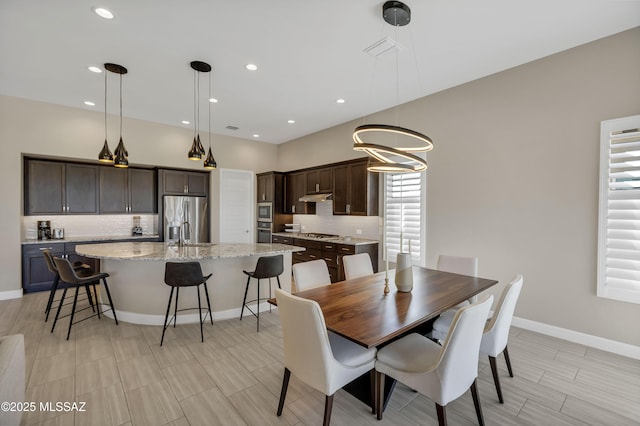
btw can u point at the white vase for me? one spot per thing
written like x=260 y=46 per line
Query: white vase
x=404 y=273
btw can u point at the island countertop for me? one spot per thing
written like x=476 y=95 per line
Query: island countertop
x=165 y=252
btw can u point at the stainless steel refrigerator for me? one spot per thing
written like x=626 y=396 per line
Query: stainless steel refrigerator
x=186 y=219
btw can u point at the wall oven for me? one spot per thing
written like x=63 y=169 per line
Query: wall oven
x=264 y=232
x=265 y=213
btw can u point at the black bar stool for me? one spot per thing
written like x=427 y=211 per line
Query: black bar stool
x=267 y=267
x=69 y=276
x=185 y=274
x=82 y=270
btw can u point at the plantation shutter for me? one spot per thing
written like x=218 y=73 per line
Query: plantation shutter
x=403 y=212
x=619 y=217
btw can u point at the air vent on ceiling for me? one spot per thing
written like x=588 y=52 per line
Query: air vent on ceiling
x=383 y=47
x=232 y=127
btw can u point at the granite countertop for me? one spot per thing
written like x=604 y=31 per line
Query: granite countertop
x=338 y=240
x=162 y=251
x=88 y=239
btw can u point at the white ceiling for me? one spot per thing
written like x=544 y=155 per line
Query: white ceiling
x=309 y=54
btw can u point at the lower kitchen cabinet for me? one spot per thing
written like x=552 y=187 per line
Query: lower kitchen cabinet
x=35 y=273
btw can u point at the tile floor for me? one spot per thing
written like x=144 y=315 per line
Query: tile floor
x=234 y=378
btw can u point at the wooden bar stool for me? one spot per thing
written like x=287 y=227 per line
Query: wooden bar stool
x=267 y=267
x=69 y=276
x=185 y=274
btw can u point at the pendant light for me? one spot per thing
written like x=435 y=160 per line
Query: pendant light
x=396 y=152
x=210 y=162
x=197 y=150
x=121 y=159
x=105 y=155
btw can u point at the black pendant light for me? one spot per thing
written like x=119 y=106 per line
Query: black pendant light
x=210 y=162
x=396 y=154
x=121 y=154
x=105 y=155
x=197 y=150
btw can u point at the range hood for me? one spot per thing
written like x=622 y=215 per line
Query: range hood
x=316 y=198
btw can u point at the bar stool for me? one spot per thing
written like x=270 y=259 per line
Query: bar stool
x=185 y=274
x=267 y=267
x=82 y=270
x=69 y=276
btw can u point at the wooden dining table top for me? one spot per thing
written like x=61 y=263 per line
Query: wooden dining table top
x=358 y=309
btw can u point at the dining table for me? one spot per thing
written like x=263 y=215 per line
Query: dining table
x=359 y=310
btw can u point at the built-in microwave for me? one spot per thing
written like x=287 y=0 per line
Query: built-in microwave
x=265 y=212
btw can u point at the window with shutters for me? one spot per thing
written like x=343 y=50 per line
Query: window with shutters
x=619 y=216
x=403 y=218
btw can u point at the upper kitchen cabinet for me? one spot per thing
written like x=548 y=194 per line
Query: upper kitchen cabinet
x=60 y=188
x=355 y=189
x=294 y=189
x=266 y=187
x=319 y=181
x=180 y=182
x=130 y=190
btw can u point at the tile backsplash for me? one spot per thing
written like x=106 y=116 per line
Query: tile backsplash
x=91 y=225
x=324 y=221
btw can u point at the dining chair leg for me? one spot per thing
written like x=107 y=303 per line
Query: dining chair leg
x=508 y=360
x=206 y=292
x=73 y=311
x=244 y=299
x=379 y=394
x=106 y=289
x=269 y=294
x=496 y=378
x=52 y=295
x=200 y=315
x=328 y=405
x=372 y=379
x=278 y=279
x=283 y=391
x=258 y=309
x=55 y=320
x=442 y=414
x=166 y=316
x=476 y=402
x=175 y=309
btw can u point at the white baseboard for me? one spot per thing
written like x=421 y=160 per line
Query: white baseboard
x=148 y=319
x=601 y=343
x=11 y=294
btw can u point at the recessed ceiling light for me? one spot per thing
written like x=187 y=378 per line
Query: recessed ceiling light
x=291 y=121
x=251 y=67
x=185 y=122
x=256 y=135
x=340 y=101
x=103 y=13
x=95 y=69
x=89 y=103
x=213 y=100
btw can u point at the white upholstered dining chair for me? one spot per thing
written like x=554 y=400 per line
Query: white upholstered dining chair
x=441 y=373
x=357 y=265
x=324 y=362
x=311 y=274
x=456 y=265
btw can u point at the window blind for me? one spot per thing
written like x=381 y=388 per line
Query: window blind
x=403 y=215
x=619 y=216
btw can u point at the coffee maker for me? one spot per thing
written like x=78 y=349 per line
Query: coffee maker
x=44 y=229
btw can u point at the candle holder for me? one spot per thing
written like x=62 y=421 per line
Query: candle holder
x=386 y=286
x=404 y=273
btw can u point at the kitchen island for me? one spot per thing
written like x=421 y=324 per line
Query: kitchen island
x=137 y=285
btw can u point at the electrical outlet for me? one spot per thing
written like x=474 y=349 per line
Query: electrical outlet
x=302 y=227
x=358 y=231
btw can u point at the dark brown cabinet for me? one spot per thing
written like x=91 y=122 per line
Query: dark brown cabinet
x=60 y=188
x=35 y=273
x=182 y=182
x=129 y=190
x=265 y=190
x=294 y=189
x=319 y=181
x=355 y=190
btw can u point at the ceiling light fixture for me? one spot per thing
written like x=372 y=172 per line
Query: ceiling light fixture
x=121 y=154
x=103 y=13
x=395 y=151
x=95 y=69
x=213 y=100
x=291 y=121
x=251 y=67
x=105 y=155
x=340 y=101
x=89 y=103
x=210 y=162
x=197 y=150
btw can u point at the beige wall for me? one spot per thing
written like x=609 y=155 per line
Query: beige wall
x=44 y=129
x=513 y=178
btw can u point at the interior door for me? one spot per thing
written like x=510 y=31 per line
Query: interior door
x=237 y=222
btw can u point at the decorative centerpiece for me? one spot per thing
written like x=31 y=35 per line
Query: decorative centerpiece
x=404 y=270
